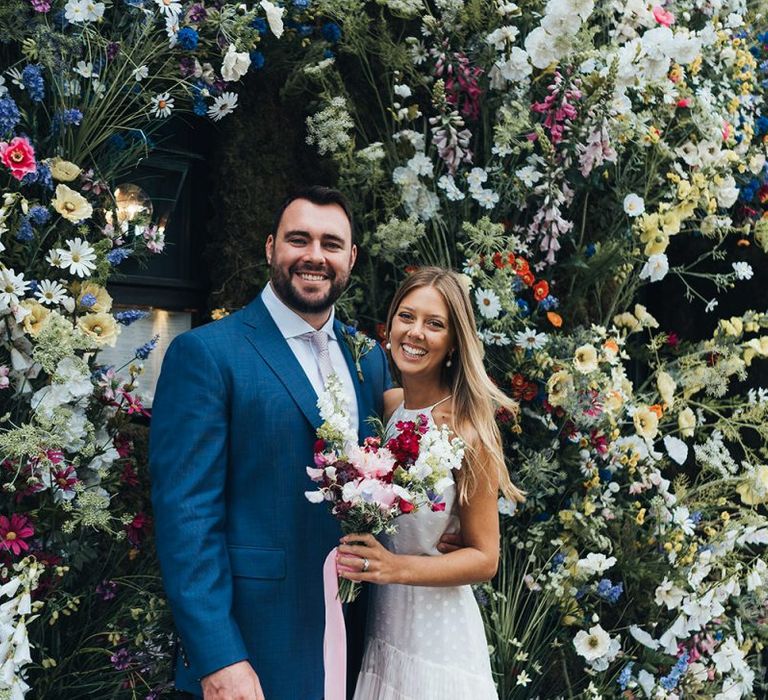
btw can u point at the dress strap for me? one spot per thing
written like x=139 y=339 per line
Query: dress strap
x=435 y=405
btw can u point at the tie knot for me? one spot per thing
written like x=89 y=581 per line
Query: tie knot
x=319 y=339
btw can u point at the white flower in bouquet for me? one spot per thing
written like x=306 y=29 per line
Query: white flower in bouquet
x=71 y=205
x=655 y=268
x=140 y=73
x=50 y=292
x=559 y=387
x=13 y=286
x=727 y=192
x=686 y=422
x=162 y=105
x=646 y=422
x=371 y=463
x=633 y=205
x=78 y=257
x=743 y=270
x=222 y=106
x=448 y=185
x=63 y=170
x=170 y=8
x=585 y=359
x=754 y=490
x=274 y=18
x=597 y=647
x=488 y=303
x=594 y=563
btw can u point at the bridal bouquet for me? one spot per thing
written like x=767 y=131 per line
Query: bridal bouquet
x=367 y=486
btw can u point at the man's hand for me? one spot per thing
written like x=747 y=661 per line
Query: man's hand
x=450 y=543
x=236 y=682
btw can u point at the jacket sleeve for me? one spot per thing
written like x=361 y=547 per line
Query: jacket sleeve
x=188 y=466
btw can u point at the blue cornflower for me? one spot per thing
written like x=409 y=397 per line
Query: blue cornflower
x=696 y=517
x=608 y=592
x=25 y=232
x=625 y=676
x=331 y=32
x=590 y=250
x=70 y=116
x=761 y=125
x=300 y=4
x=670 y=681
x=33 y=81
x=126 y=318
x=606 y=475
x=549 y=302
x=144 y=351
x=9 y=115
x=187 y=38
x=257 y=60
x=305 y=30
x=117 y=255
x=557 y=561
x=524 y=307
x=749 y=190
x=44 y=177
x=39 y=215
x=260 y=25
x=199 y=107
x=88 y=300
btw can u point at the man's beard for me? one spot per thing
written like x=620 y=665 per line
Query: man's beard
x=285 y=290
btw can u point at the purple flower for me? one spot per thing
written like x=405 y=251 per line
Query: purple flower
x=40 y=5
x=144 y=351
x=121 y=659
x=187 y=67
x=113 y=48
x=196 y=14
x=25 y=232
x=126 y=318
x=106 y=590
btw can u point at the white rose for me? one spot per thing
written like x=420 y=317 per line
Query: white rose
x=235 y=65
x=274 y=17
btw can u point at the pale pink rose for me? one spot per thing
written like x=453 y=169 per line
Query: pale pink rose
x=372 y=464
x=662 y=16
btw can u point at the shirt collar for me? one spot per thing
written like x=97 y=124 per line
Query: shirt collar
x=288 y=322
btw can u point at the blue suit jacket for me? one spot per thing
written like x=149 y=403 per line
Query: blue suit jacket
x=241 y=549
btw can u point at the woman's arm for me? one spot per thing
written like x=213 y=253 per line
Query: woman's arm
x=392 y=399
x=476 y=561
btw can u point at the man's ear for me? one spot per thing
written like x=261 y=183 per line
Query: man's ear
x=269 y=248
x=353 y=256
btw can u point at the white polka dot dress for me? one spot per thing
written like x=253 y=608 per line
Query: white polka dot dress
x=424 y=643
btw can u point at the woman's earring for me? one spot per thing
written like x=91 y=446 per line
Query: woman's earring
x=388 y=345
x=449 y=361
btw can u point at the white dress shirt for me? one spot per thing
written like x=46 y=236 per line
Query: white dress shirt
x=292 y=326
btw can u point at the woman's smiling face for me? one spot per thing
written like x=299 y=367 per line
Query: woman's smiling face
x=421 y=335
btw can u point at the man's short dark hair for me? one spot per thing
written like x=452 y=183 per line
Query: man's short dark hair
x=317 y=194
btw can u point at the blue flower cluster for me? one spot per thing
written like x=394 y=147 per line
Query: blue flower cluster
x=557 y=561
x=301 y=4
x=188 y=38
x=117 y=255
x=32 y=78
x=549 y=302
x=260 y=25
x=608 y=592
x=25 y=232
x=331 y=32
x=749 y=190
x=126 y=318
x=9 y=116
x=39 y=215
x=625 y=676
x=88 y=300
x=257 y=60
x=41 y=176
x=761 y=125
x=144 y=351
x=670 y=681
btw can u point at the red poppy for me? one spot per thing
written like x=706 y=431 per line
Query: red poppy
x=528 y=278
x=540 y=290
x=498 y=260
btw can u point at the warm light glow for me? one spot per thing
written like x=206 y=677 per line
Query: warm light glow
x=133 y=203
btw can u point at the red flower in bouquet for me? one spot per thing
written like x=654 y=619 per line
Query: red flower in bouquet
x=14 y=532
x=405 y=445
x=137 y=528
x=18 y=156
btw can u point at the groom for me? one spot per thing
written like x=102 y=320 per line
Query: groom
x=233 y=427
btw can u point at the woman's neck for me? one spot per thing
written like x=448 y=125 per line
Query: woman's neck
x=421 y=394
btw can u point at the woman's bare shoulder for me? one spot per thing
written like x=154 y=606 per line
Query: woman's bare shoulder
x=392 y=399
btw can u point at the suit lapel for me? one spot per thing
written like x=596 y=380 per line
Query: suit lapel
x=362 y=408
x=265 y=337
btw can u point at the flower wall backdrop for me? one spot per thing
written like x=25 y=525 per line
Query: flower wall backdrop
x=570 y=157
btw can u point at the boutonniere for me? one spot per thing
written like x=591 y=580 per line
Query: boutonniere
x=359 y=345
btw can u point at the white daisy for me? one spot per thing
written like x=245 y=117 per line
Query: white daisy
x=488 y=303
x=78 y=258
x=53 y=257
x=529 y=339
x=85 y=69
x=170 y=8
x=162 y=105
x=495 y=338
x=12 y=286
x=743 y=270
x=633 y=205
x=140 y=73
x=223 y=105
x=49 y=292
x=172 y=27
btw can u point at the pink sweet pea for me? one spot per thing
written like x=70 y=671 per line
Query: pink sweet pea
x=14 y=531
x=662 y=16
x=19 y=156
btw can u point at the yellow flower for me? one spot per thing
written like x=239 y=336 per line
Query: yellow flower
x=733 y=326
x=626 y=320
x=640 y=517
x=37 y=317
x=71 y=205
x=589 y=507
x=559 y=386
x=755 y=491
x=646 y=422
x=755 y=347
x=100 y=327
x=103 y=299
x=585 y=359
x=666 y=386
x=218 y=314
x=646 y=319
x=657 y=245
x=64 y=171
x=686 y=421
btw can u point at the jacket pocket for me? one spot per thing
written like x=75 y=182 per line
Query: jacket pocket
x=256 y=562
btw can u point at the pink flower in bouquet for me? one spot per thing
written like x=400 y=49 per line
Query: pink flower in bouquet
x=19 y=156
x=662 y=16
x=372 y=463
x=14 y=531
x=4 y=381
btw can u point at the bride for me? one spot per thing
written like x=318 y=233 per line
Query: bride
x=425 y=638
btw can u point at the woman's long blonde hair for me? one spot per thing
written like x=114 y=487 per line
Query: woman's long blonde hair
x=475 y=398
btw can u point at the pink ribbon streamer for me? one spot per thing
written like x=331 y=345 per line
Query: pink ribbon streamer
x=335 y=639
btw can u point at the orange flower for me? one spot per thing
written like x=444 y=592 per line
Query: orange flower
x=528 y=277
x=657 y=409
x=540 y=290
x=555 y=319
x=410 y=269
x=611 y=345
x=498 y=260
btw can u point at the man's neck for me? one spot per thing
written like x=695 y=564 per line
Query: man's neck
x=315 y=319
